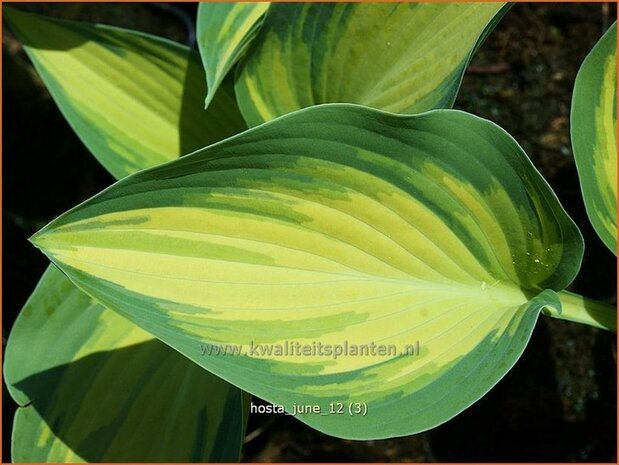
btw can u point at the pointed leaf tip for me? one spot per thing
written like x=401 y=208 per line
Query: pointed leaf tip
x=336 y=224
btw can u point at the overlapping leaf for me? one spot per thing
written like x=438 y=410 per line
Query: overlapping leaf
x=95 y=387
x=594 y=135
x=335 y=225
x=88 y=380
x=400 y=57
x=224 y=32
x=132 y=98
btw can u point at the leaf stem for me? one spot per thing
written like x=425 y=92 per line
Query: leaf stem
x=583 y=310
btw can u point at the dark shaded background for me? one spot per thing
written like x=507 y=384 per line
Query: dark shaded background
x=557 y=404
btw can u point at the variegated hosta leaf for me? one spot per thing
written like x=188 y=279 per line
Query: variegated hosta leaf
x=132 y=98
x=335 y=225
x=400 y=57
x=224 y=32
x=95 y=387
x=62 y=401
x=594 y=135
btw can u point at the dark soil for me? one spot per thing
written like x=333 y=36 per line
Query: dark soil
x=557 y=404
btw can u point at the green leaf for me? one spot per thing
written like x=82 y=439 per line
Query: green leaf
x=132 y=98
x=594 y=135
x=337 y=224
x=62 y=404
x=224 y=32
x=94 y=387
x=399 y=57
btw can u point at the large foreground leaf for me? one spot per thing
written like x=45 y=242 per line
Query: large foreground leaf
x=594 y=135
x=400 y=57
x=95 y=387
x=335 y=225
x=224 y=32
x=132 y=98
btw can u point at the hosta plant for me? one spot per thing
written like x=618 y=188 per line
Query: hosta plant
x=362 y=256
